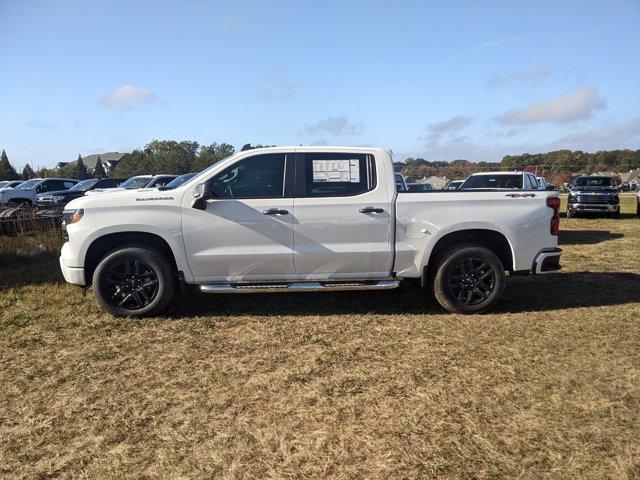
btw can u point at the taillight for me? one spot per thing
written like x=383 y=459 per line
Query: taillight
x=554 y=202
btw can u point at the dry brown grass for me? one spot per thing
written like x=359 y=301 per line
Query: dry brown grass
x=347 y=385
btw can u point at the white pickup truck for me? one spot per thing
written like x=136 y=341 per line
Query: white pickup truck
x=305 y=219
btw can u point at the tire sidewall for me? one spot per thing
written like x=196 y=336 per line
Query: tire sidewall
x=448 y=261
x=156 y=261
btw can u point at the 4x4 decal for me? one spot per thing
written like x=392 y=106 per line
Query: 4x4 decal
x=520 y=195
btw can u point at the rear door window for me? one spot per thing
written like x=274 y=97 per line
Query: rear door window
x=329 y=174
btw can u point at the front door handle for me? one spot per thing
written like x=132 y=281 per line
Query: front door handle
x=371 y=210
x=275 y=211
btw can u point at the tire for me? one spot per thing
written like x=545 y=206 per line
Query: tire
x=134 y=281
x=485 y=279
x=570 y=214
x=616 y=214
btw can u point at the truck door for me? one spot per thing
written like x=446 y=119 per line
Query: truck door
x=343 y=218
x=246 y=232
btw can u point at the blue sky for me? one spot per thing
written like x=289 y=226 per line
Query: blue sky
x=442 y=80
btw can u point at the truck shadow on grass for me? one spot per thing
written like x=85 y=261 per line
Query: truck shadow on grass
x=586 y=237
x=18 y=271
x=523 y=294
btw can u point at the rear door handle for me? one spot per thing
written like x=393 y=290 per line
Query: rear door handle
x=275 y=211
x=371 y=210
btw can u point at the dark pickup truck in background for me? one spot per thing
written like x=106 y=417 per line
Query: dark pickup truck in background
x=593 y=194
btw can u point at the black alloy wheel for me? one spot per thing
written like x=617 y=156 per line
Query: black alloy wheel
x=471 y=281
x=134 y=281
x=468 y=278
x=130 y=283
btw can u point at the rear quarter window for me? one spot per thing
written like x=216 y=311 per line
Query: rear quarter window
x=493 y=181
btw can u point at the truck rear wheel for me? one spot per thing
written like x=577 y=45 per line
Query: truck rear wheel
x=468 y=279
x=134 y=282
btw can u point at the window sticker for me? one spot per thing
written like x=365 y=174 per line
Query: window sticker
x=336 y=171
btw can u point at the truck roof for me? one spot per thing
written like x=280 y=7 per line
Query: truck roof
x=507 y=172
x=321 y=148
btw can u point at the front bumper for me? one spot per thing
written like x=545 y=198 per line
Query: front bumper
x=73 y=275
x=594 y=207
x=547 y=261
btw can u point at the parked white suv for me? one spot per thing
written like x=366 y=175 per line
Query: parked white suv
x=305 y=219
x=25 y=193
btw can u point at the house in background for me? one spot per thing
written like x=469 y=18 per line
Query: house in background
x=632 y=177
x=109 y=161
x=437 y=183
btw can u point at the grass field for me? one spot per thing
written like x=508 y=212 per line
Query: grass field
x=346 y=385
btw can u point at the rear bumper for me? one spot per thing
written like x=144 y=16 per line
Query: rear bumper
x=594 y=207
x=547 y=261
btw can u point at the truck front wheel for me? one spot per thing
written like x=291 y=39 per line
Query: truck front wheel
x=468 y=279
x=134 y=282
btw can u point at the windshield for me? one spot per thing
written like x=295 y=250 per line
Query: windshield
x=84 y=185
x=176 y=182
x=135 y=182
x=594 y=182
x=513 y=181
x=29 y=184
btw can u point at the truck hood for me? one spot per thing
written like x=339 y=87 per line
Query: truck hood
x=122 y=197
x=594 y=189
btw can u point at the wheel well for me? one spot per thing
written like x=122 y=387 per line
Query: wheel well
x=108 y=243
x=494 y=241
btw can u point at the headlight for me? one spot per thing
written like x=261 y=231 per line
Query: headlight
x=57 y=198
x=73 y=216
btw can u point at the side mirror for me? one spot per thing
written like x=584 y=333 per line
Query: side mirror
x=201 y=194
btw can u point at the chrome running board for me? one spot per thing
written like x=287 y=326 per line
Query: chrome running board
x=298 y=286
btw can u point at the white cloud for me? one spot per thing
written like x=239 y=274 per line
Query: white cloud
x=435 y=131
x=576 y=106
x=453 y=124
x=127 y=96
x=531 y=75
x=623 y=135
x=607 y=137
x=463 y=147
x=337 y=126
x=278 y=87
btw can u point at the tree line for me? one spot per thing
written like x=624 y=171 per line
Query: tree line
x=177 y=157
x=557 y=166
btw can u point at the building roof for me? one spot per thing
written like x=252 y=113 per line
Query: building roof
x=630 y=176
x=91 y=160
